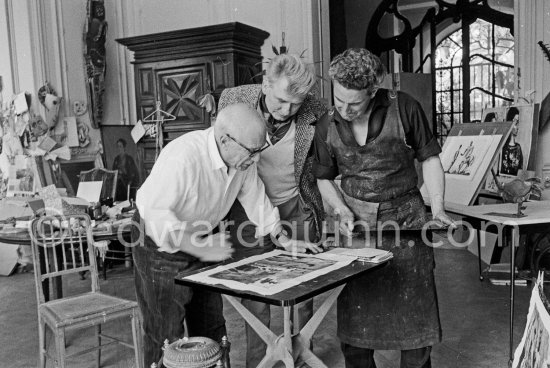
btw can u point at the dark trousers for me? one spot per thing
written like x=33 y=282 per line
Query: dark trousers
x=165 y=305
x=356 y=357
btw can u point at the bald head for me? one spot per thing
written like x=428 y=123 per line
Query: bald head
x=243 y=123
x=239 y=130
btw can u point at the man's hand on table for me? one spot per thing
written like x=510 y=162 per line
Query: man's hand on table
x=345 y=220
x=212 y=248
x=444 y=219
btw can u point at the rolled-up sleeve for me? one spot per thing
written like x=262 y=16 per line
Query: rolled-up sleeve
x=256 y=204
x=417 y=129
x=324 y=162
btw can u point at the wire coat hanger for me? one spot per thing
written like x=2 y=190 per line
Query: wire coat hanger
x=158 y=115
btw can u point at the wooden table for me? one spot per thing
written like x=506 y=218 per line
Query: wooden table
x=288 y=347
x=484 y=217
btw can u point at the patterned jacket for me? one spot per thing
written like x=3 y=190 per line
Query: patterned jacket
x=306 y=117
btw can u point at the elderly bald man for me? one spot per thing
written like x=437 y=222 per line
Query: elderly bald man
x=192 y=186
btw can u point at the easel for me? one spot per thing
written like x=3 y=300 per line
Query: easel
x=158 y=117
x=465 y=192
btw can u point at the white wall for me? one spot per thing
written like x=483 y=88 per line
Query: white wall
x=16 y=49
x=5 y=60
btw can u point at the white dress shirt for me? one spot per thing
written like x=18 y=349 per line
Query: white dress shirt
x=191 y=188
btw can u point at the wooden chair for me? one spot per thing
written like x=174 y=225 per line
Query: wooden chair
x=72 y=237
x=108 y=177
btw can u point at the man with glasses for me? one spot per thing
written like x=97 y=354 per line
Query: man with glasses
x=252 y=152
x=289 y=112
x=191 y=188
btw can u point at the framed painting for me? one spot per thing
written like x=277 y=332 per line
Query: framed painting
x=120 y=153
x=519 y=151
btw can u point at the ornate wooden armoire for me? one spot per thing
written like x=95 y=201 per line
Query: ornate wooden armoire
x=178 y=67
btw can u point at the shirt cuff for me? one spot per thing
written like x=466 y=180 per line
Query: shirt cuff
x=432 y=148
x=267 y=223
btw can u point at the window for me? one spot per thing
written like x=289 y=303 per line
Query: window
x=487 y=75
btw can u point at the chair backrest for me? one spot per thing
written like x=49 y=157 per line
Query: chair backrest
x=67 y=245
x=108 y=177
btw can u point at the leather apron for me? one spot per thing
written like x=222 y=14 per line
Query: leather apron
x=395 y=307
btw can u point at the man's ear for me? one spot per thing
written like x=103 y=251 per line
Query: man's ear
x=224 y=139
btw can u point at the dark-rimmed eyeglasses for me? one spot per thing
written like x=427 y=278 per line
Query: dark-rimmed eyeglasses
x=251 y=152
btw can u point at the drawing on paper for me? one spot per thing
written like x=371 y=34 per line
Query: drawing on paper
x=273 y=270
x=462 y=156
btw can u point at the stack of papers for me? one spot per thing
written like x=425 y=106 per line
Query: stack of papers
x=371 y=255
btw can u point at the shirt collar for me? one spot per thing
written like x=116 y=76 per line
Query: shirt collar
x=213 y=152
x=262 y=106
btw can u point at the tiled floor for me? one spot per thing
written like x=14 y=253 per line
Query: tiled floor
x=474 y=317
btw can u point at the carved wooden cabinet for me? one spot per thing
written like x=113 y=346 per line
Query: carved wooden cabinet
x=178 y=67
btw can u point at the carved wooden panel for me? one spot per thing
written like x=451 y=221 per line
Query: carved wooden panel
x=146 y=86
x=179 y=90
x=146 y=110
x=220 y=74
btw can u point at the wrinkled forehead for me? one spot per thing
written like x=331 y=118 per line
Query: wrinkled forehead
x=279 y=90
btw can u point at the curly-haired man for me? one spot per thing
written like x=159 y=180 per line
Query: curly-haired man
x=371 y=139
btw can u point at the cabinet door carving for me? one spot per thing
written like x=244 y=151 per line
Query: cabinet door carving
x=179 y=90
x=178 y=67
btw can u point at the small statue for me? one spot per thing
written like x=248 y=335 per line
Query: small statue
x=79 y=108
x=83 y=134
x=52 y=102
x=518 y=190
x=94 y=55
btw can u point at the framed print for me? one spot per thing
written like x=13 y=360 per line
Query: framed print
x=120 y=153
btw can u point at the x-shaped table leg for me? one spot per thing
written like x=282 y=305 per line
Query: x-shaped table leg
x=278 y=347
x=286 y=347
x=301 y=342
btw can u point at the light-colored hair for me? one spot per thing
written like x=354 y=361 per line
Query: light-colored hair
x=300 y=76
x=358 y=69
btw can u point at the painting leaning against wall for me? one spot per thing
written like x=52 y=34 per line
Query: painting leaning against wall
x=121 y=154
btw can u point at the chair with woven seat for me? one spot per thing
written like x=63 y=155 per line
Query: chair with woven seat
x=72 y=237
